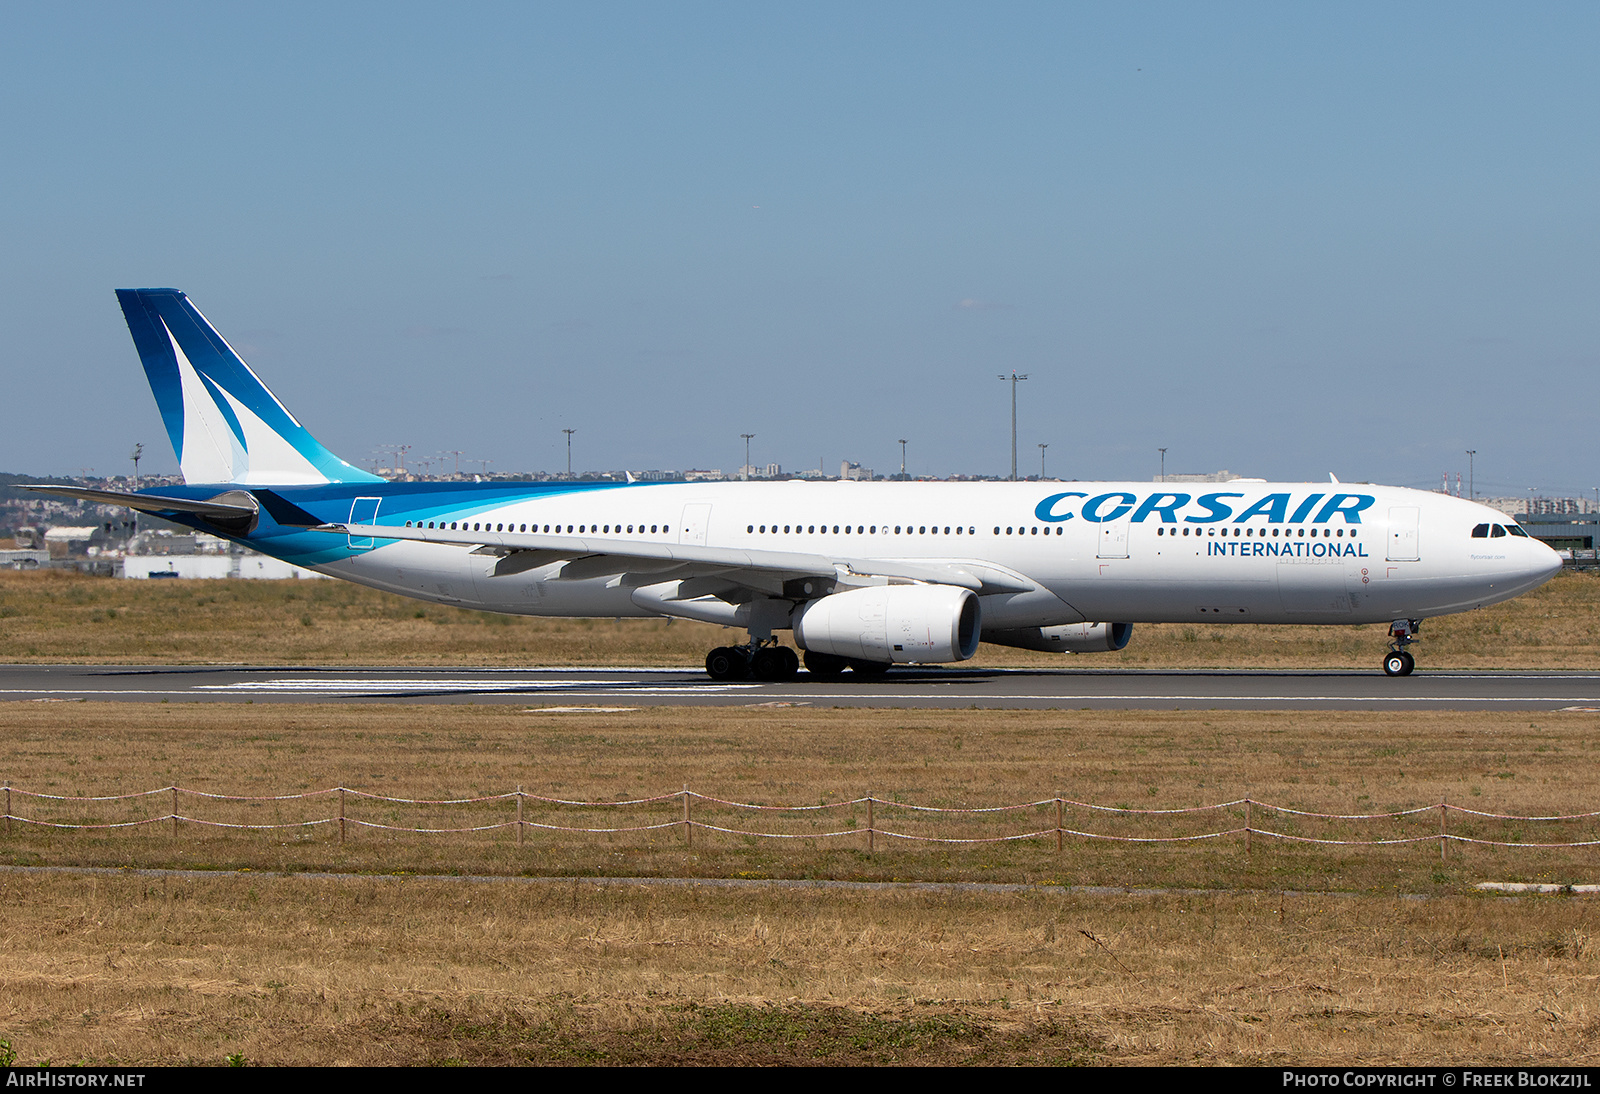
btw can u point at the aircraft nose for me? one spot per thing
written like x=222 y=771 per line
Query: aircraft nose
x=1545 y=564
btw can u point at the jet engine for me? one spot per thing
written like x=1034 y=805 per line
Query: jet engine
x=1072 y=638
x=892 y=624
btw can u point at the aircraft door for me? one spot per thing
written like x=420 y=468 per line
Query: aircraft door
x=1114 y=539
x=363 y=511
x=696 y=519
x=1403 y=545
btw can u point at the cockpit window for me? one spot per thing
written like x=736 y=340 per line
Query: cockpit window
x=1516 y=531
x=1497 y=532
x=1481 y=532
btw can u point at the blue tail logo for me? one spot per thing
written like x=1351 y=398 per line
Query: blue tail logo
x=224 y=423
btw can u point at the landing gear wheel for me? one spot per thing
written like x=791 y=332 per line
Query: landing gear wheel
x=724 y=663
x=1398 y=662
x=825 y=666
x=774 y=663
x=768 y=664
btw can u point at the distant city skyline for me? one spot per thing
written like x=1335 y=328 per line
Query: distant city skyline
x=1292 y=240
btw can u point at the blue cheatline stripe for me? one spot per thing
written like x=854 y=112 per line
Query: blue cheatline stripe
x=401 y=501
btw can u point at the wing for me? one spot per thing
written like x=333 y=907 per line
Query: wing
x=792 y=574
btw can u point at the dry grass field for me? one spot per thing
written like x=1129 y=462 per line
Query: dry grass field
x=1292 y=953
x=1337 y=762
x=284 y=970
x=1303 y=953
x=62 y=617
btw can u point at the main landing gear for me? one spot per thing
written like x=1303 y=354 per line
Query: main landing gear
x=766 y=660
x=1398 y=662
x=762 y=659
x=826 y=666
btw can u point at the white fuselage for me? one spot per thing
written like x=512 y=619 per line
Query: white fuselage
x=1098 y=552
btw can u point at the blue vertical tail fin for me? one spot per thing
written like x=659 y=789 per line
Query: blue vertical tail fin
x=224 y=423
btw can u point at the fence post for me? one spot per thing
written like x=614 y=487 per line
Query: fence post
x=1058 y=826
x=8 y=809
x=519 y=814
x=871 y=841
x=1248 y=815
x=341 y=814
x=1444 y=829
x=688 y=825
x=174 y=811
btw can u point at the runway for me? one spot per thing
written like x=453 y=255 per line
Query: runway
x=555 y=689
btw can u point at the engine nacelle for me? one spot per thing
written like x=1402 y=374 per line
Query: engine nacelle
x=892 y=624
x=1071 y=638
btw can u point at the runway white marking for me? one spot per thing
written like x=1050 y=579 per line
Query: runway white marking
x=948 y=696
x=908 y=691
x=900 y=696
x=326 y=684
x=323 y=686
x=357 y=692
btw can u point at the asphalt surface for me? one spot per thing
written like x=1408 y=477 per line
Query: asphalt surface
x=589 y=688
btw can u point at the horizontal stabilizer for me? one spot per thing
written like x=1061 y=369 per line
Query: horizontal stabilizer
x=233 y=511
x=233 y=504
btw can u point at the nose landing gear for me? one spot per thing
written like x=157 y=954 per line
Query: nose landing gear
x=1399 y=662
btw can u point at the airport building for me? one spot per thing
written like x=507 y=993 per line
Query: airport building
x=1574 y=534
x=1570 y=525
x=1209 y=476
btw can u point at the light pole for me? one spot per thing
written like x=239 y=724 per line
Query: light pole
x=1163 y=452
x=902 y=459
x=744 y=472
x=138 y=451
x=1042 y=447
x=569 y=433
x=1014 y=378
x=1472 y=484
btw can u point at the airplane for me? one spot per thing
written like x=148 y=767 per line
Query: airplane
x=863 y=575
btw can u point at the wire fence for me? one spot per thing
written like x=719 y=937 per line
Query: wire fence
x=864 y=822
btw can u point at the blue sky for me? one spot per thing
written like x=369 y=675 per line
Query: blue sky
x=1282 y=239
